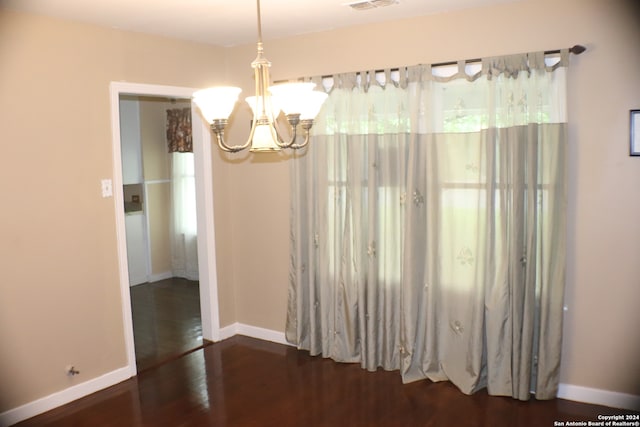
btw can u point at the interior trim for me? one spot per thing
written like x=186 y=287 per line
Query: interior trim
x=204 y=205
x=596 y=396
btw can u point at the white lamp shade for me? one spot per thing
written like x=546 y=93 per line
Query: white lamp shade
x=290 y=96
x=263 y=139
x=216 y=102
x=312 y=103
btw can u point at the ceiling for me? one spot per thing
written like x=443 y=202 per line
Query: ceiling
x=233 y=22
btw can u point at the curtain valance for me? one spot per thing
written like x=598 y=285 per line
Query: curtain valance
x=500 y=92
x=179 y=138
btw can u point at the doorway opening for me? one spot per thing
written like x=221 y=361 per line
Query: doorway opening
x=167 y=270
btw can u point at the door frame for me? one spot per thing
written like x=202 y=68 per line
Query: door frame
x=204 y=208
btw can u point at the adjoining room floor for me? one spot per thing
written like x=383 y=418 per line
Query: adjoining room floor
x=166 y=320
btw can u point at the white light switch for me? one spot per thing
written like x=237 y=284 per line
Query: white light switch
x=107 y=188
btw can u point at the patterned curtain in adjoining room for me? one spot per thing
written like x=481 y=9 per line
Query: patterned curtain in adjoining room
x=428 y=225
x=184 y=233
x=179 y=136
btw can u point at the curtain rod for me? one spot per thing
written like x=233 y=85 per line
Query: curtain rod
x=576 y=50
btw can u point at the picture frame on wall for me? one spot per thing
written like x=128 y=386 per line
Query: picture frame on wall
x=634 y=128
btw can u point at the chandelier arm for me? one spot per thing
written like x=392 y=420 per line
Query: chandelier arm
x=293 y=120
x=229 y=149
x=218 y=126
x=306 y=125
x=303 y=144
x=222 y=145
x=284 y=144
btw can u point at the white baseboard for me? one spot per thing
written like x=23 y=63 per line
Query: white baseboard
x=160 y=276
x=63 y=397
x=596 y=396
x=253 y=332
x=261 y=333
x=228 y=331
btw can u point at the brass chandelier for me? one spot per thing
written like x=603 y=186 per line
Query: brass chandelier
x=298 y=101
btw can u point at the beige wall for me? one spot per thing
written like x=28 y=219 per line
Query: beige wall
x=59 y=296
x=156 y=163
x=59 y=293
x=158 y=213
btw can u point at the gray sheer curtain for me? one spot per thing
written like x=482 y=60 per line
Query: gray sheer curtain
x=428 y=225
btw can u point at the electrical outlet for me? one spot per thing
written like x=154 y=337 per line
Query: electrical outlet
x=71 y=371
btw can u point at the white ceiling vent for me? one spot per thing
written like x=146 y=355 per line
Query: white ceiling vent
x=370 y=4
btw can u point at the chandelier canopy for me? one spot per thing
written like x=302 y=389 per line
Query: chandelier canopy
x=297 y=101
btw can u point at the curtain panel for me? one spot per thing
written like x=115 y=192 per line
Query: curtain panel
x=428 y=225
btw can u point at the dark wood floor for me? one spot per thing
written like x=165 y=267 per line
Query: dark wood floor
x=247 y=382
x=166 y=320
